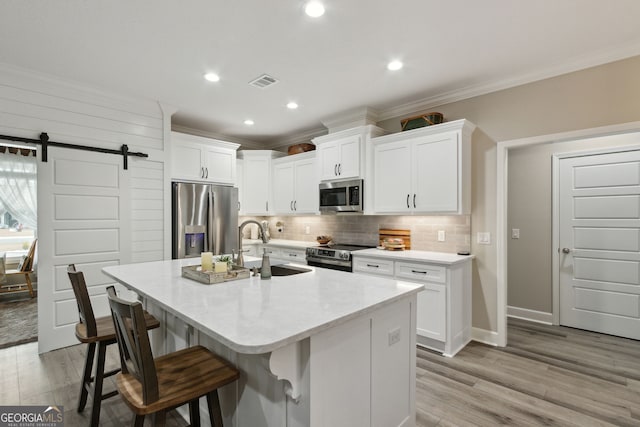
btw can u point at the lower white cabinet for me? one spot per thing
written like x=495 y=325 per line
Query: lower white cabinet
x=444 y=306
x=279 y=254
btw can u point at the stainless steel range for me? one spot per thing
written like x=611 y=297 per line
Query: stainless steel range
x=335 y=257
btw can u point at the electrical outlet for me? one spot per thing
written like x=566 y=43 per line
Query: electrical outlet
x=515 y=233
x=440 y=235
x=394 y=336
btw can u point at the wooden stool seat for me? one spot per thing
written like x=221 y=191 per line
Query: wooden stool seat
x=154 y=386
x=106 y=331
x=94 y=332
x=182 y=377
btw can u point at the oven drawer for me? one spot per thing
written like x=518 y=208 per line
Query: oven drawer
x=421 y=272
x=377 y=266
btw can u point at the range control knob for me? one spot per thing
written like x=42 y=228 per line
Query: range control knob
x=344 y=255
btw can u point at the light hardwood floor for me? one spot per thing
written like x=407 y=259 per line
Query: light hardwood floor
x=547 y=375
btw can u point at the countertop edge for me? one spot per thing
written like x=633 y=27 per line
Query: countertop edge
x=415 y=256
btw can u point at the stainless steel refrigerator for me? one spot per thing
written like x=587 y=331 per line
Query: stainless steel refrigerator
x=205 y=219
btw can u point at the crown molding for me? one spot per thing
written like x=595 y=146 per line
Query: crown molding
x=574 y=64
x=244 y=143
x=355 y=117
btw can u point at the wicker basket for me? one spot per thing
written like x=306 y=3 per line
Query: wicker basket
x=300 y=148
x=422 y=121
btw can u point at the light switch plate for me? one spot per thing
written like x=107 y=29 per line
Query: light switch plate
x=441 y=235
x=515 y=233
x=484 y=238
x=394 y=336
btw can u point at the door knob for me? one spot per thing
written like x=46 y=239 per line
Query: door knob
x=566 y=250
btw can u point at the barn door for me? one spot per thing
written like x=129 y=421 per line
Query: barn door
x=599 y=253
x=83 y=218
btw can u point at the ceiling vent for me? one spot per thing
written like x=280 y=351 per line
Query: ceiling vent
x=263 y=81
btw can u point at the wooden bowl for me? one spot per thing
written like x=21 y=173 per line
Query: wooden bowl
x=324 y=241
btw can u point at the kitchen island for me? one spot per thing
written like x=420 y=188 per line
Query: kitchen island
x=322 y=348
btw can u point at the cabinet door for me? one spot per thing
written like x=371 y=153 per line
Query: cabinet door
x=257 y=179
x=283 y=185
x=436 y=173
x=349 y=164
x=328 y=159
x=187 y=161
x=432 y=312
x=306 y=187
x=220 y=165
x=392 y=186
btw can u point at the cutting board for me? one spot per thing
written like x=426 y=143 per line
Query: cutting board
x=405 y=235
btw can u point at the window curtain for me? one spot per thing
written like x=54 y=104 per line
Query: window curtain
x=18 y=188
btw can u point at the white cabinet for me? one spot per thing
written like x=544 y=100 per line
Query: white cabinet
x=284 y=254
x=444 y=306
x=342 y=155
x=295 y=184
x=375 y=384
x=240 y=184
x=256 y=181
x=196 y=158
x=426 y=170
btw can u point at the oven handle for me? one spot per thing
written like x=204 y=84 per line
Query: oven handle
x=328 y=261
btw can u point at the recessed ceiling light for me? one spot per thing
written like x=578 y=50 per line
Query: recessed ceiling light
x=314 y=9
x=212 y=77
x=292 y=105
x=248 y=122
x=394 y=65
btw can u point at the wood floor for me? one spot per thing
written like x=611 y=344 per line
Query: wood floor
x=547 y=375
x=551 y=376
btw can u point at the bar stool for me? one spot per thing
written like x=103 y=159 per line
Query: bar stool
x=154 y=386
x=94 y=331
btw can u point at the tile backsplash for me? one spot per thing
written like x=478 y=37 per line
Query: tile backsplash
x=363 y=229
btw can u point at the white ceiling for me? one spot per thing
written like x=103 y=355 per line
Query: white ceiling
x=160 y=49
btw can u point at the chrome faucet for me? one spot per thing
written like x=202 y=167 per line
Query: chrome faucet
x=239 y=261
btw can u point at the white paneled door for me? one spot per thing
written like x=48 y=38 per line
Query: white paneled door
x=600 y=243
x=84 y=219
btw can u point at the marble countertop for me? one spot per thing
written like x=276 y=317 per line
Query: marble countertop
x=417 y=256
x=281 y=242
x=257 y=316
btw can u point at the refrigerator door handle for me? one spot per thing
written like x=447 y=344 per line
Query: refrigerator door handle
x=210 y=222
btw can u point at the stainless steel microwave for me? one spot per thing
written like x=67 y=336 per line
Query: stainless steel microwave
x=341 y=196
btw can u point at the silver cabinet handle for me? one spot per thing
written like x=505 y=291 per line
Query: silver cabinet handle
x=238 y=205
x=266 y=205
x=408 y=202
x=295 y=205
x=373 y=265
x=339 y=168
x=414 y=200
x=418 y=272
x=335 y=169
x=201 y=172
x=291 y=205
x=207 y=169
x=566 y=250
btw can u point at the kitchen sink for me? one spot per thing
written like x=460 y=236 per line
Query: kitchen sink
x=286 y=270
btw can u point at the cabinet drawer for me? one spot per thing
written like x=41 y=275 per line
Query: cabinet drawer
x=293 y=255
x=373 y=265
x=421 y=272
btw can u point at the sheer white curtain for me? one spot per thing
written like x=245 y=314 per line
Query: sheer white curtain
x=18 y=187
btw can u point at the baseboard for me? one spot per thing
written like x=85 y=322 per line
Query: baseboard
x=530 y=315
x=484 y=336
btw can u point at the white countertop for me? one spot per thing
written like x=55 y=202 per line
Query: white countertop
x=281 y=242
x=256 y=316
x=417 y=256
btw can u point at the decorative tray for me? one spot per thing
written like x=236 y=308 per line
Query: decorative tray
x=193 y=272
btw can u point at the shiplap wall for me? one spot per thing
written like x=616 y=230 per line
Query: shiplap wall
x=31 y=103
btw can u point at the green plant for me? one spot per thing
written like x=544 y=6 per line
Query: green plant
x=227 y=259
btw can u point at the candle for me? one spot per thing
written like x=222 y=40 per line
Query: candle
x=206 y=259
x=220 y=267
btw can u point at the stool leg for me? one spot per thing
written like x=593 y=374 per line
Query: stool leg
x=215 y=414
x=138 y=420
x=159 y=419
x=86 y=376
x=97 y=387
x=194 y=412
x=29 y=285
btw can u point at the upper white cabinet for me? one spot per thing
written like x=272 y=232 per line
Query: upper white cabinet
x=256 y=181
x=426 y=170
x=196 y=158
x=342 y=155
x=295 y=184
